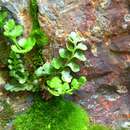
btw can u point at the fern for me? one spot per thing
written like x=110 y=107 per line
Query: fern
x=17 y=69
x=59 y=74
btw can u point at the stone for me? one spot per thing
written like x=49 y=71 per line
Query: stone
x=106 y=27
x=121 y=44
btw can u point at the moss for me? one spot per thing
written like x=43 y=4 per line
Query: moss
x=99 y=127
x=37 y=32
x=6 y=113
x=3 y=17
x=57 y=114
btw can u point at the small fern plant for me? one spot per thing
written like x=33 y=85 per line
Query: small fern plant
x=59 y=75
x=14 y=31
x=21 y=78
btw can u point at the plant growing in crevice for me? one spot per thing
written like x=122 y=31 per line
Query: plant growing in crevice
x=17 y=69
x=22 y=78
x=13 y=31
x=37 y=32
x=59 y=75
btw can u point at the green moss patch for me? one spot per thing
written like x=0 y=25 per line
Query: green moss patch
x=57 y=114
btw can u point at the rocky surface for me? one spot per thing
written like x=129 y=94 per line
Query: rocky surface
x=106 y=26
x=106 y=106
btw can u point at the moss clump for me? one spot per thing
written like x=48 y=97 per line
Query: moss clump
x=37 y=32
x=57 y=114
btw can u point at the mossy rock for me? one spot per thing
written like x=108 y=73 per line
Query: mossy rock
x=57 y=114
x=6 y=113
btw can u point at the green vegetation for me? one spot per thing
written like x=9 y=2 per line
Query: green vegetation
x=56 y=114
x=59 y=75
x=22 y=78
x=37 y=32
x=13 y=31
x=3 y=17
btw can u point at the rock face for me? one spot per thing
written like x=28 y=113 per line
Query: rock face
x=105 y=25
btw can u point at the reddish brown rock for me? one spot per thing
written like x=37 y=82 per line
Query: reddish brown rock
x=104 y=25
x=121 y=44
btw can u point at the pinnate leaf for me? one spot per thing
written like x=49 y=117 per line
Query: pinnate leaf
x=74 y=67
x=55 y=83
x=75 y=38
x=12 y=30
x=46 y=69
x=80 y=55
x=57 y=63
x=81 y=46
x=75 y=84
x=25 y=45
x=82 y=80
x=64 y=53
x=66 y=76
x=70 y=47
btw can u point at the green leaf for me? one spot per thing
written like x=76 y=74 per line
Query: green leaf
x=64 y=53
x=25 y=44
x=74 y=67
x=65 y=87
x=46 y=69
x=17 y=87
x=53 y=92
x=75 y=84
x=9 y=25
x=66 y=77
x=40 y=36
x=9 y=87
x=75 y=38
x=57 y=63
x=17 y=31
x=81 y=46
x=3 y=16
x=82 y=80
x=55 y=83
x=70 y=47
x=80 y=55
x=12 y=30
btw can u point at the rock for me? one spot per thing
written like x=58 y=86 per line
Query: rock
x=62 y=17
x=121 y=44
x=106 y=27
x=20 y=11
